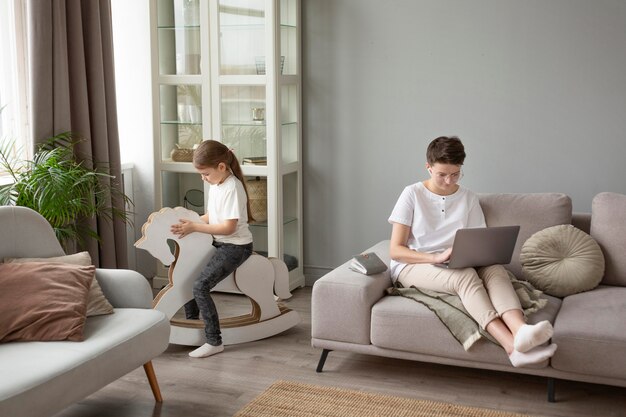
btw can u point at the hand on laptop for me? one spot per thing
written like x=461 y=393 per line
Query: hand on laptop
x=442 y=257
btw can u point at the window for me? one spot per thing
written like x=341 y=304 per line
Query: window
x=13 y=104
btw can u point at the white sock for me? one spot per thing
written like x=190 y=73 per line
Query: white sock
x=532 y=335
x=206 y=350
x=533 y=357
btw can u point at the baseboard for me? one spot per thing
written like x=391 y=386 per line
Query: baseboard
x=159 y=282
x=313 y=273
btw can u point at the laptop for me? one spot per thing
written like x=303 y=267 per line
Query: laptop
x=482 y=246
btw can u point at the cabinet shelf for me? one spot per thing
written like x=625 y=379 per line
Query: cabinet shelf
x=254 y=170
x=183 y=167
x=243 y=79
x=175 y=122
x=249 y=123
x=254 y=123
x=241 y=11
x=290 y=168
x=244 y=26
x=286 y=220
x=179 y=27
x=170 y=79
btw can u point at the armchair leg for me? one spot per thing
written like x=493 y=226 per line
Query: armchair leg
x=551 y=390
x=320 y=364
x=152 y=379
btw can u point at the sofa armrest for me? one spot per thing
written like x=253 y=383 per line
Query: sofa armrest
x=125 y=288
x=342 y=300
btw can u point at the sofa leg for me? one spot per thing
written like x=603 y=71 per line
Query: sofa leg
x=551 y=390
x=320 y=364
x=152 y=379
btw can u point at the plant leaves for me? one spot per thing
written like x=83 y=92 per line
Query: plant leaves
x=62 y=189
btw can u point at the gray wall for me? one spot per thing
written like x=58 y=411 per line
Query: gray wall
x=536 y=89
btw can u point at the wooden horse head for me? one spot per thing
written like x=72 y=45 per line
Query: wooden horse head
x=156 y=232
x=258 y=278
x=190 y=256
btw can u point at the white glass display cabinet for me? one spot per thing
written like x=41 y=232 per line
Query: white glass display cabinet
x=230 y=70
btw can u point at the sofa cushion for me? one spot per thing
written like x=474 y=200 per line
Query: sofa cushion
x=404 y=324
x=48 y=376
x=562 y=260
x=533 y=212
x=96 y=301
x=590 y=331
x=41 y=301
x=608 y=228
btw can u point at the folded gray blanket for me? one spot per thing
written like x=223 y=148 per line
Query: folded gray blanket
x=453 y=315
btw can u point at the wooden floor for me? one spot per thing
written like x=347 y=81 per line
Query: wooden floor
x=222 y=384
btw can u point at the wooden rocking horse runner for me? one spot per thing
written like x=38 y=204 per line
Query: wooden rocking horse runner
x=258 y=278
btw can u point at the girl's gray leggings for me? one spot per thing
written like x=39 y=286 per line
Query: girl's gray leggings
x=226 y=259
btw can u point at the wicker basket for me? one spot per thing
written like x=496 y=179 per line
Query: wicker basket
x=182 y=155
x=257 y=195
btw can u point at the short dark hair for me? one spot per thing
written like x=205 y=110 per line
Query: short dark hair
x=446 y=150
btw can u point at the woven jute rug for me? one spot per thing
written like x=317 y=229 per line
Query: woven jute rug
x=294 y=399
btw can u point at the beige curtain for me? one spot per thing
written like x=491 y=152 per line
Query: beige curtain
x=70 y=52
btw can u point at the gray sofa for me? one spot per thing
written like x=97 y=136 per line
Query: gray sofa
x=350 y=311
x=41 y=378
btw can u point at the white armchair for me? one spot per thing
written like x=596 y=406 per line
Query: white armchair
x=41 y=378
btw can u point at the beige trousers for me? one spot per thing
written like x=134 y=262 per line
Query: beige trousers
x=485 y=292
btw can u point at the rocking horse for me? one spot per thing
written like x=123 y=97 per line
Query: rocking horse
x=259 y=278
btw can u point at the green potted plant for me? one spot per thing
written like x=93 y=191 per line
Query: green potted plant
x=62 y=189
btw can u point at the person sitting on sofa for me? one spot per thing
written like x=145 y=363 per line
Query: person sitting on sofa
x=424 y=222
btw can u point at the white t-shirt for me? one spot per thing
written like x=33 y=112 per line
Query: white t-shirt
x=434 y=219
x=228 y=201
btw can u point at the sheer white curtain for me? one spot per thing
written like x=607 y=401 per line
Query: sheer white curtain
x=13 y=80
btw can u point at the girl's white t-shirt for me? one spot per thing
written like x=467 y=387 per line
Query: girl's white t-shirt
x=434 y=219
x=228 y=201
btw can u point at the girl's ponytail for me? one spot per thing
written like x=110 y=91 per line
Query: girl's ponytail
x=235 y=168
x=210 y=153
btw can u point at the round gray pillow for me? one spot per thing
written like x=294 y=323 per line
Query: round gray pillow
x=562 y=260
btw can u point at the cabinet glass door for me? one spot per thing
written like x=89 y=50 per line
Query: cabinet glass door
x=181 y=121
x=242 y=37
x=243 y=123
x=289 y=123
x=289 y=36
x=182 y=190
x=291 y=241
x=178 y=28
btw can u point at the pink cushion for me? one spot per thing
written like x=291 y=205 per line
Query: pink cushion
x=97 y=304
x=43 y=302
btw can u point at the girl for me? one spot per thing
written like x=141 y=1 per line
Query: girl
x=425 y=220
x=228 y=211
